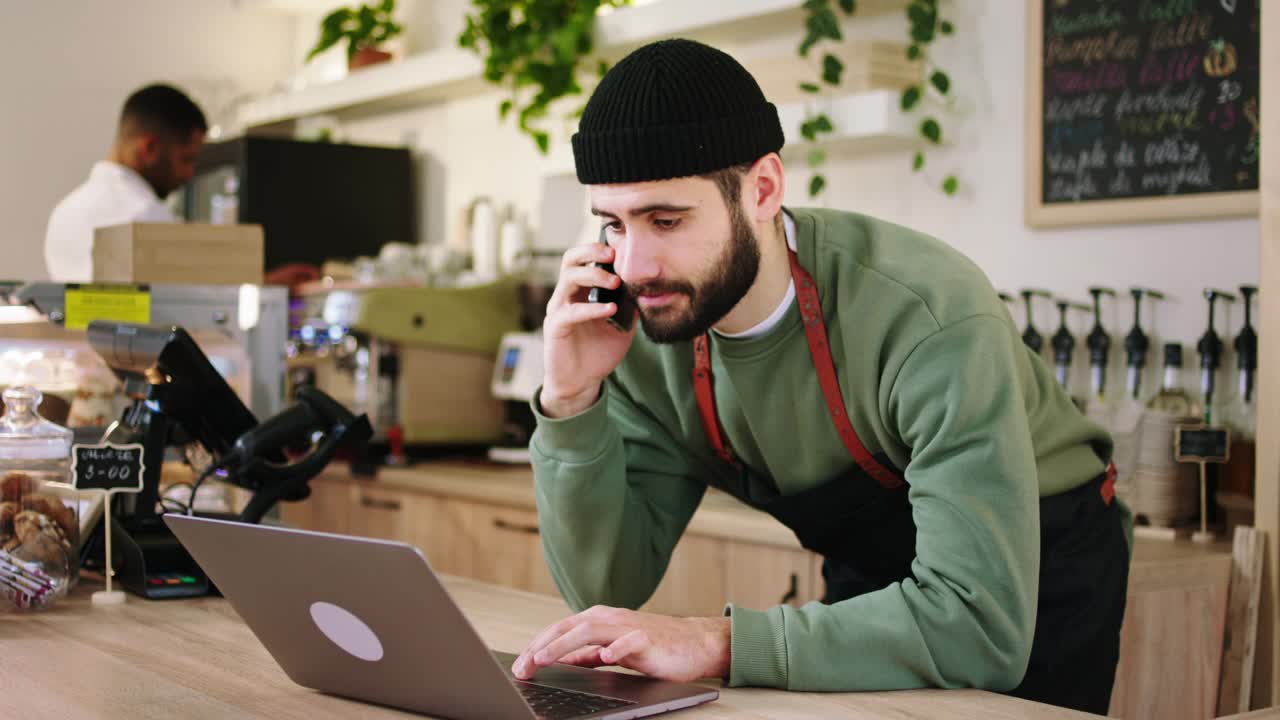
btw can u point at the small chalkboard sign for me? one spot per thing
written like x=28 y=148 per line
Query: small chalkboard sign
x=107 y=467
x=1201 y=443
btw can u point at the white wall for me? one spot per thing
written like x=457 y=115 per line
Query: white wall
x=471 y=153
x=66 y=68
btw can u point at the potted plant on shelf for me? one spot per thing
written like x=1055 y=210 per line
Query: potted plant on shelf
x=365 y=29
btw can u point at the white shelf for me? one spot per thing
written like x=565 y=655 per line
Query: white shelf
x=415 y=80
x=454 y=73
x=869 y=121
x=287 y=7
x=641 y=23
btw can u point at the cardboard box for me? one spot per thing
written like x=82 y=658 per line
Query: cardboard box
x=178 y=253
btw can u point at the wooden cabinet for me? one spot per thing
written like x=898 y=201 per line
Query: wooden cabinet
x=761 y=576
x=1171 y=641
x=385 y=513
x=694 y=582
x=494 y=544
x=328 y=509
x=706 y=572
x=500 y=544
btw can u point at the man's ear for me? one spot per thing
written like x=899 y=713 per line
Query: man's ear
x=765 y=187
x=148 y=146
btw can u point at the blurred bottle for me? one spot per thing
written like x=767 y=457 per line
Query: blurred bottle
x=1173 y=398
x=224 y=206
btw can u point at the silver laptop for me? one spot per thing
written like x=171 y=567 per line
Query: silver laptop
x=369 y=619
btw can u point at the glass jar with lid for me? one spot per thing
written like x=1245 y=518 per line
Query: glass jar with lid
x=39 y=525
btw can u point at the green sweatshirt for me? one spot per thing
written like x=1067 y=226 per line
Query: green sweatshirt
x=933 y=374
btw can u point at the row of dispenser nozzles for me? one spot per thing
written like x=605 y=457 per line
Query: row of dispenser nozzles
x=1137 y=344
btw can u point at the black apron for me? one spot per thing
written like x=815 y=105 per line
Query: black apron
x=1084 y=555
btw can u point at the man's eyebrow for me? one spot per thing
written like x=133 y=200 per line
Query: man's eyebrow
x=645 y=210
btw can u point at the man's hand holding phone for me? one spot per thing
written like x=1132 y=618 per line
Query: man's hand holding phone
x=581 y=346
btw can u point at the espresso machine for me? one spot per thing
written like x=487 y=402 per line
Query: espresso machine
x=517 y=374
x=417 y=360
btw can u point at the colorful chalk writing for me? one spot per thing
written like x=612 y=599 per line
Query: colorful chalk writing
x=1149 y=98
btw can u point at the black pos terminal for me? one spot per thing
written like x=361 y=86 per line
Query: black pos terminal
x=178 y=401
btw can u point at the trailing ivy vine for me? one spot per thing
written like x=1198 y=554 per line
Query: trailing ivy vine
x=822 y=24
x=927 y=24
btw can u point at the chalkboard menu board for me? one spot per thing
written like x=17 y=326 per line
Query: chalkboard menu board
x=1141 y=110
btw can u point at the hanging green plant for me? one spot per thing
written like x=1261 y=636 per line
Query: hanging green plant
x=534 y=48
x=822 y=24
x=926 y=25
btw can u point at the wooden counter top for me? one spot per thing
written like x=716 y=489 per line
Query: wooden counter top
x=196 y=659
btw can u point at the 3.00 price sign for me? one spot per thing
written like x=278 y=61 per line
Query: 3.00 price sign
x=107 y=467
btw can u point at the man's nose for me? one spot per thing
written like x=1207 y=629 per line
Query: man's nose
x=634 y=260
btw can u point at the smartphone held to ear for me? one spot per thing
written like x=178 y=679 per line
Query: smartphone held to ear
x=625 y=316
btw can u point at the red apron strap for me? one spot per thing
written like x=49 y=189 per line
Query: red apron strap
x=1108 y=488
x=815 y=330
x=706 y=396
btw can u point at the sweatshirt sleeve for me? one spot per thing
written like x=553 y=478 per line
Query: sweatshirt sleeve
x=967 y=615
x=614 y=494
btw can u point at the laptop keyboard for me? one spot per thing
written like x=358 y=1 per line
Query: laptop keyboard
x=550 y=703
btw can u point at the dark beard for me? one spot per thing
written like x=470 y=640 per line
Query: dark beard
x=733 y=274
x=160 y=183
x=158 y=175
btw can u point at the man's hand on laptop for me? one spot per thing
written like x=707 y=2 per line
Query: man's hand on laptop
x=671 y=648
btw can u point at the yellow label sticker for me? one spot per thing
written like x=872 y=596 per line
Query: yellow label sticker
x=117 y=303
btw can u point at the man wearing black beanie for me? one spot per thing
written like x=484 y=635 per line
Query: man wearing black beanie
x=859 y=381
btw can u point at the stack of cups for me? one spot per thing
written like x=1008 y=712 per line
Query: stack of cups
x=1164 y=491
x=485 y=256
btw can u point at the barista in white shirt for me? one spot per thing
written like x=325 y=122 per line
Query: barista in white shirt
x=159 y=136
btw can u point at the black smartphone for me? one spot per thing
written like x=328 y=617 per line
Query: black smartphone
x=625 y=317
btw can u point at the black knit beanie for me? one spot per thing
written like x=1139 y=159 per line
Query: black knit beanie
x=673 y=108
